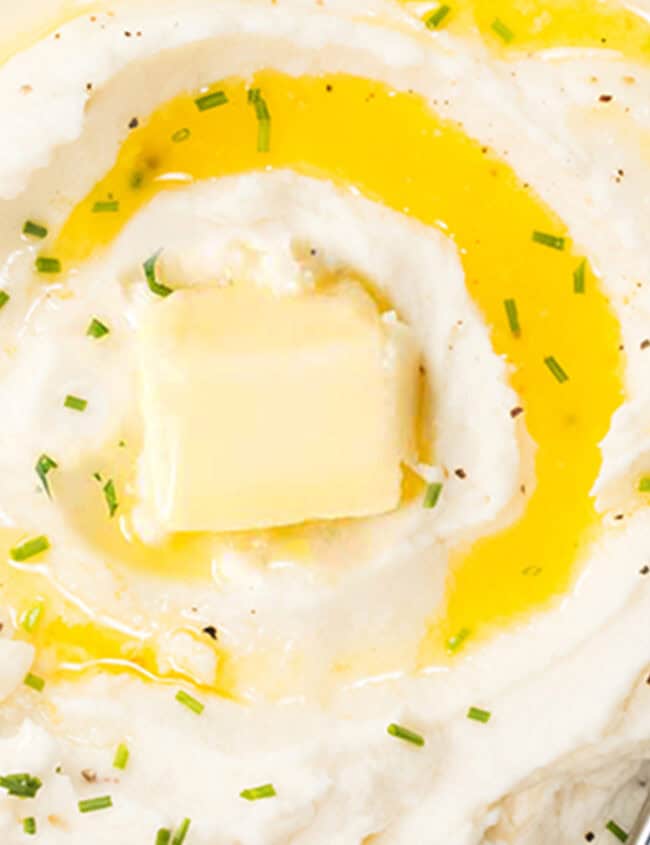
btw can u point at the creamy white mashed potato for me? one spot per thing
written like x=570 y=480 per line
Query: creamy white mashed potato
x=521 y=703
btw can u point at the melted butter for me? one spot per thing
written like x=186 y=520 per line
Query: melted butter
x=325 y=128
x=533 y=25
x=68 y=642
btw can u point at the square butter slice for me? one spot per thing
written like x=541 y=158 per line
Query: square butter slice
x=266 y=410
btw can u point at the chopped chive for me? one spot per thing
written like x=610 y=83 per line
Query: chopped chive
x=513 y=316
x=43 y=466
x=111 y=497
x=32 y=617
x=256 y=99
x=149 y=267
x=30 y=548
x=191 y=703
x=181 y=833
x=504 y=32
x=106 y=207
x=432 y=495
x=48 y=265
x=257 y=792
x=211 y=101
x=163 y=836
x=456 y=641
x=97 y=329
x=559 y=373
x=34 y=230
x=644 y=484
x=92 y=804
x=29 y=826
x=136 y=179
x=579 y=275
x=181 y=135
x=479 y=715
x=21 y=786
x=4 y=298
x=434 y=20
x=404 y=733
x=34 y=682
x=552 y=241
x=616 y=830
x=121 y=757
x=75 y=403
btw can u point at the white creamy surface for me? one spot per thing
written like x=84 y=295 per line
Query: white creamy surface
x=566 y=690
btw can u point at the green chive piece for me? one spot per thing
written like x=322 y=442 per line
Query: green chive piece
x=513 y=316
x=92 y=804
x=97 y=329
x=181 y=833
x=32 y=617
x=29 y=826
x=30 y=548
x=257 y=792
x=434 y=20
x=191 y=703
x=163 y=836
x=75 y=403
x=111 y=497
x=579 y=275
x=21 y=786
x=48 y=265
x=256 y=99
x=34 y=230
x=552 y=241
x=43 y=466
x=616 y=830
x=106 y=207
x=149 y=267
x=455 y=642
x=504 y=32
x=121 y=757
x=432 y=495
x=559 y=373
x=34 y=682
x=181 y=135
x=479 y=715
x=211 y=101
x=404 y=733
x=136 y=179
x=644 y=484
x=4 y=298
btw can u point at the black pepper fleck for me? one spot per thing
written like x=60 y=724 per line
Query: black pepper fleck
x=211 y=631
x=89 y=775
x=644 y=570
x=606 y=98
x=516 y=411
x=460 y=472
x=645 y=344
x=134 y=123
x=590 y=836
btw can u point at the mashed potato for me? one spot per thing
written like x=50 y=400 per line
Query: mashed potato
x=324 y=459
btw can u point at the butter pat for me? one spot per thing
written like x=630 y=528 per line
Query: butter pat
x=264 y=410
